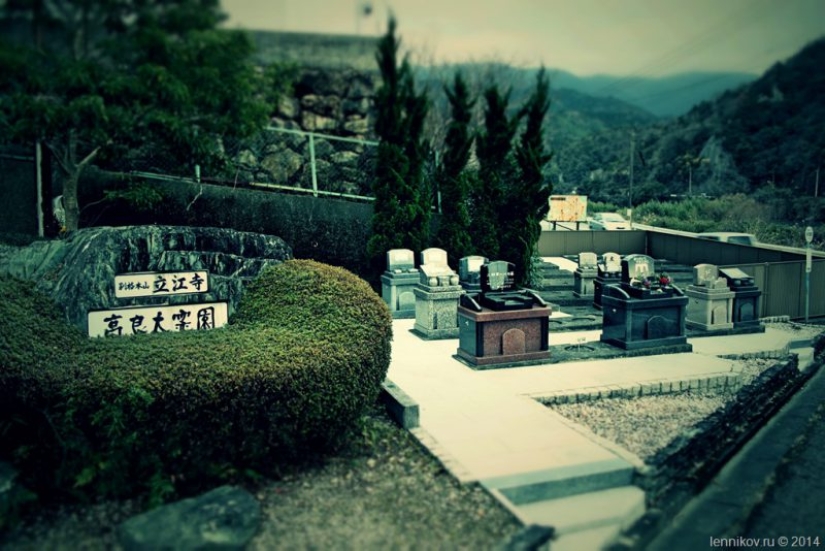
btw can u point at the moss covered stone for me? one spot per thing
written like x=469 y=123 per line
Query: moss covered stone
x=169 y=413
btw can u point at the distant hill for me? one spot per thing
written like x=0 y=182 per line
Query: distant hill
x=764 y=137
x=667 y=96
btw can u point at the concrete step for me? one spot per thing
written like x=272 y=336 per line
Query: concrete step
x=618 y=507
x=532 y=487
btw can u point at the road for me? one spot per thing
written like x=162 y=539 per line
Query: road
x=772 y=494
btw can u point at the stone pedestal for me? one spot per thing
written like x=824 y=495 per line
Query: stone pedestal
x=709 y=308
x=746 y=298
x=583 y=282
x=647 y=320
x=500 y=338
x=398 y=282
x=436 y=303
x=397 y=292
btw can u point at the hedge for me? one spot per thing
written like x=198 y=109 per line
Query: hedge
x=168 y=414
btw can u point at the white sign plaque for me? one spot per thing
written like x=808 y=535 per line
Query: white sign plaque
x=120 y=322
x=153 y=284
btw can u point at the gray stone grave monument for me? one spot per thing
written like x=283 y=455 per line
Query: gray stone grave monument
x=645 y=310
x=608 y=272
x=469 y=272
x=436 y=297
x=710 y=305
x=746 y=299
x=398 y=282
x=585 y=275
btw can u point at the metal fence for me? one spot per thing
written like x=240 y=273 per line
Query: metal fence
x=278 y=159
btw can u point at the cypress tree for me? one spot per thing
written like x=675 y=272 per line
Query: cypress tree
x=527 y=201
x=401 y=215
x=453 y=179
x=494 y=147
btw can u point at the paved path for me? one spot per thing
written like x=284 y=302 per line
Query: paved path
x=487 y=426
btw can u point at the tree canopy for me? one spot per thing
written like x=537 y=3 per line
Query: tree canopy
x=97 y=81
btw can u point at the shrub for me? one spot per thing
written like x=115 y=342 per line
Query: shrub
x=167 y=414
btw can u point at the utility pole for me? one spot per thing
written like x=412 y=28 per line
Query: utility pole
x=816 y=184
x=630 y=191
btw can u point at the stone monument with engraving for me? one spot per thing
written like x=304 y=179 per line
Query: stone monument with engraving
x=436 y=297
x=398 y=282
x=710 y=301
x=502 y=326
x=585 y=275
x=608 y=272
x=645 y=310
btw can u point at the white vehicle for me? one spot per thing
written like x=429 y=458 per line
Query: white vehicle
x=608 y=221
x=730 y=237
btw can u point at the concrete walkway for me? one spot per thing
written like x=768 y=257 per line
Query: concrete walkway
x=487 y=426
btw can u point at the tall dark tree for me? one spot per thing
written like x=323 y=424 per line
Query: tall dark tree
x=402 y=211
x=527 y=199
x=101 y=79
x=494 y=148
x=453 y=178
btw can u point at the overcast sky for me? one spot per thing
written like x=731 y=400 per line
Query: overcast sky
x=619 y=37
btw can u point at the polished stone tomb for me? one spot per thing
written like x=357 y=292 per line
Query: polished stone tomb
x=644 y=310
x=746 y=297
x=398 y=282
x=436 y=297
x=585 y=275
x=608 y=272
x=502 y=325
x=710 y=301
x=469 y=272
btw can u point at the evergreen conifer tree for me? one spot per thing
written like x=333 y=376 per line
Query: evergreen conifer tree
x=401 y=215
x=453 y=179
x=494 y=147
x=527 y=200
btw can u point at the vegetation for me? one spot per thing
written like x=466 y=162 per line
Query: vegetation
x=527 y=204
x=171 y=413
x=496 y=170
x=453 y=180
x=402 y=198
x=96 y=81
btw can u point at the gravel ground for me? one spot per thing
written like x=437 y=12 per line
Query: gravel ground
x=647 y=424
x=385 y=492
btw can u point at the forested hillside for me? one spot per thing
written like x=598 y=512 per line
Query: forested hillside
x=765 y=138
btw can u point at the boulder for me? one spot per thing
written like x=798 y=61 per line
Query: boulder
x=78 y=272
x=224 y=518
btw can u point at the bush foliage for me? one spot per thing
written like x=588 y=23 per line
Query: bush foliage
x=167 y=414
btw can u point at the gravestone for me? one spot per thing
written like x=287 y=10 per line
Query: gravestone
x=608 y=272
x=746 y=298
x=585 y=275
x=434 y=256
x=502 y=325
x=436 y=297
x=398 y=282
x=469 y=272
x=710 y=305
x=644 y=310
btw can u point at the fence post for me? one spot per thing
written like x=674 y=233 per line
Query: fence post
x=312 y=164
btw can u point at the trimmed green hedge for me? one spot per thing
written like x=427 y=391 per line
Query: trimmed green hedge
x=167 y=414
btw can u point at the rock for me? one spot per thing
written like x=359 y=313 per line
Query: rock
x=282 y=165
x=78 y=272
x=288 y=107
x=357 y=125
x=312 y=122
x=224 y=518
x=328 y=106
